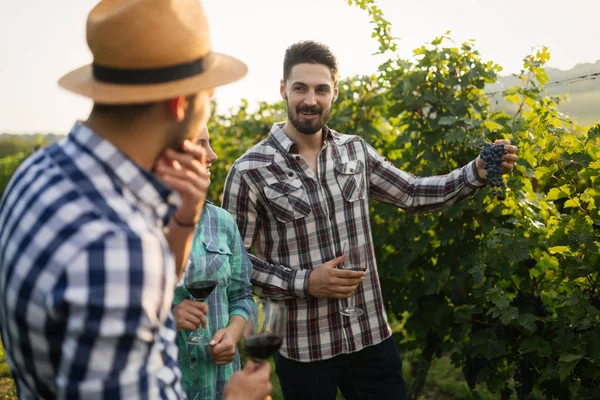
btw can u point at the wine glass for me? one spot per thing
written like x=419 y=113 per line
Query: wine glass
x=263 y=332
x=200 y=282
x=355 y=260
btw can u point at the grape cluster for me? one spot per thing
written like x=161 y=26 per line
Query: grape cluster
x=493 y=156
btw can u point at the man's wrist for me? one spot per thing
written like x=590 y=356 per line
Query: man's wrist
x=480 y=169
x=471 y=174
x=184 y=223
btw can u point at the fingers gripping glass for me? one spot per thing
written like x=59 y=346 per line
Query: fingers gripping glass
x=200 y=282
x=355 y=260
x=263 y=332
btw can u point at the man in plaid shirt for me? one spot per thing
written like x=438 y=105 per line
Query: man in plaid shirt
x=297 y=196
x=87 y=274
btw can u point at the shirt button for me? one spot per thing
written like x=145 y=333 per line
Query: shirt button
x=351 y=169
x=290 y=174
x=221 y=249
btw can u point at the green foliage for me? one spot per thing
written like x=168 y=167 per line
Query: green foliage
x=14 y=149
x=8 y=165
x=382 y=30
x=509 y=290
x=7 y=386
x=11 y=144
x=233 y=134
x=4 y=371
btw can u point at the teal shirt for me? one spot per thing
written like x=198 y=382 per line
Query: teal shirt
x=217 y=252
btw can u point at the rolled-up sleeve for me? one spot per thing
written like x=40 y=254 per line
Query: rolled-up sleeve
x=419 y=194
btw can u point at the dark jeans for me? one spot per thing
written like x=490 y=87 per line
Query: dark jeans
x=374 y=372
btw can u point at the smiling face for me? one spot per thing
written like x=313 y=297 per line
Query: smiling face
x=309 y=92
x=204 y=141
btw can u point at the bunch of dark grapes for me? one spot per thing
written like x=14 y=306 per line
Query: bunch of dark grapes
x=493 y=156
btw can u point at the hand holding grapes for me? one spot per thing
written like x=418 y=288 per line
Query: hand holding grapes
x=493 y=161
x=508 y=162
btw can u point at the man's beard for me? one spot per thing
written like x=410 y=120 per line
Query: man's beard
x=178 y=134
x=189 y=128
x=308 y=127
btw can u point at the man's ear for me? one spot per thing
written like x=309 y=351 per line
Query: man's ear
x=176 y=108
x=336 y=92
x=282 y=89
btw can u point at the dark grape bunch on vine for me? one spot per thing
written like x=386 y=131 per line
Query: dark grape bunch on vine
x=493 y=156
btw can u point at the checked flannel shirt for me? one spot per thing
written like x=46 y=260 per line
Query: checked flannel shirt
x=86 y=276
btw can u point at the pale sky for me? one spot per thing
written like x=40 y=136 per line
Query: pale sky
x=41 y=40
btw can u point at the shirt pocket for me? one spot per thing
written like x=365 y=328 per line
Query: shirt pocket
x=351 y=180
x=217 y=261
x=287 y=200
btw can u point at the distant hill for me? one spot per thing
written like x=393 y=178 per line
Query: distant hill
x=583 y=102
x=583 y=98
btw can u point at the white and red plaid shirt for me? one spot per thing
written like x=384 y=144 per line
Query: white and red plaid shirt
x=295 y=221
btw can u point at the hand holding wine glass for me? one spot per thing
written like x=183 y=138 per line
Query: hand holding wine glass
x=331 y=281
x=263 y=333
x=200 y=283
x=251 y=383
x=190 y=315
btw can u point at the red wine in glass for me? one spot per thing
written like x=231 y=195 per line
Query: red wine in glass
x=261 y=347
x=263 y=332
x=200 y=290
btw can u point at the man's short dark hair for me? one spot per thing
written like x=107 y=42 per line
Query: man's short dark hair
x=130 y=111
x=123 y=111
x=309 y=52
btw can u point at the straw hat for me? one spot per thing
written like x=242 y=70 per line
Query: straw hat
x=149 y=50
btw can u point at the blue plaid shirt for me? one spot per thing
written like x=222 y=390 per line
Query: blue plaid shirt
x=86 y=276
x=217 y=253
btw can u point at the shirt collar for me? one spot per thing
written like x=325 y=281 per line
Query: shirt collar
x=143 y=184
x=284 y=142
